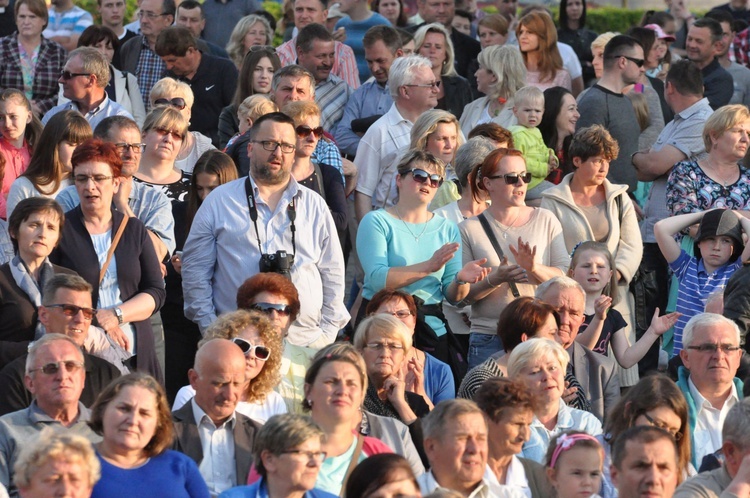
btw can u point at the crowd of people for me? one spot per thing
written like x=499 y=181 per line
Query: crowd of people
x=413 y=249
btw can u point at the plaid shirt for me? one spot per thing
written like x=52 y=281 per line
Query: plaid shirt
x=740 y=48
x=49 y=65
x=150 y=70
x=332 y=96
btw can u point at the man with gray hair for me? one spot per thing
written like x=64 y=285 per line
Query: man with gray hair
x=414 y=90
x=84 y=81
x=595 y=374
x=55 y=375
x=711 y=357
x=732 y=479
x=455 y=441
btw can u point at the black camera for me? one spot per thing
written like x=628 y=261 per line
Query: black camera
x=281 y=262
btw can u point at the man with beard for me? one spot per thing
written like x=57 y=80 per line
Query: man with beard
x=266 y=223
x=316 y=53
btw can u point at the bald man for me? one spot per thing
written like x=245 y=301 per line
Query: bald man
x=208 y=428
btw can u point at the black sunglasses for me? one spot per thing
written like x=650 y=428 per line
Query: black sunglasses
x=67 y=75
x=267 y=308
x=304 y=131
x=177 y=102
x=72 y=310
x=421 y=176
x=637 y=62
x=261 y=352
x=512 y=178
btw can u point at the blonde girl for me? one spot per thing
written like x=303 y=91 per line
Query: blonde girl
x=574 y=464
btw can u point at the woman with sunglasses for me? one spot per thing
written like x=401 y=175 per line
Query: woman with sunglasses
x=178 y=95
x=257 y=338
x=531 y=241
x=125 y=274
x=407 y=247
x=256 y=73
x=276 y=297
x=322 y=178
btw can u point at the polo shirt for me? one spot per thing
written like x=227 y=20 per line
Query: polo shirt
x=105 y=109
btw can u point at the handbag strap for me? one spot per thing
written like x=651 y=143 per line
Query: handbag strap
x=499 y=250
x=112 y=248
x=353 y=462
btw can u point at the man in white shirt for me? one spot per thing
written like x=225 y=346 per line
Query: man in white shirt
x=208 y=428
x=711 y=357
x=455 y=441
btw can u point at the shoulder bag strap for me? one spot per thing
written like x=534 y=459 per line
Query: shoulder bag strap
x=112 y=248
x=319 y=180
x=618 y=203
x=353 y=462
x=499 y=250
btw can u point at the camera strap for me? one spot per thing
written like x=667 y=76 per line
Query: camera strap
x=291 y=211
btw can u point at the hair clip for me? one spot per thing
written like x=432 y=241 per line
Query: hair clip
x=566 y=442
x=576 y=247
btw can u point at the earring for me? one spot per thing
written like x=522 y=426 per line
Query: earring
x=310 y=403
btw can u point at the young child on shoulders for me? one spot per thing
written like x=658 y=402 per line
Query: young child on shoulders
x=719 y=252
x=540 y=160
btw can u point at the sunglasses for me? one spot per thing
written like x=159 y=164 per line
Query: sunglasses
x=67 y=75
x=176 y=136
x=637 y=62
x=259 y=48
x=52 y=368
x=421 y=176
x=177 y=102
x=267 y=308
x=512 y=178
x=304 y=131
x=72 y=310
x=261 y=352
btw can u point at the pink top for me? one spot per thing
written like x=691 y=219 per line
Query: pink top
x=562 y=78
x=16 y=162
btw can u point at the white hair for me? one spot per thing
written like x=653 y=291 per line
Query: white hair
x=563 y=282
x=534 y=349
x=707 y=320
x=402 y=72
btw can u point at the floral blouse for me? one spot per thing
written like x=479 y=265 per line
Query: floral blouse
x=689 y=190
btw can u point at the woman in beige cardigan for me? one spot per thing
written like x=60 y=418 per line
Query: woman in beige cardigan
x=589 y=207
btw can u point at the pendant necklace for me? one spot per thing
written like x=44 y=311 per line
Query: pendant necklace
x=505 y=232
x=416 y=237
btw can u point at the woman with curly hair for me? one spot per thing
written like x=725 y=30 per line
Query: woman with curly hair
x=261 y=344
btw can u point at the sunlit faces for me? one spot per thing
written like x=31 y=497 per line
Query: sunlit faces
x=379 y=59
x=112 y=12
x=105 y=48
x=648 y=469
x=568 y=116
x=592 y=271
x=390 y=9
x=711 y=369
x=319 y=60
x=663 y=417
x=192 y=19
x=183 y=65
x=62 y=388
x=716 y=251
x=489 y=37
x=384 y=361
x=527 y=41
x=441 y=11
x=306 y=145
x=529 y=114
x=549 y=329
x=459 y=455
x=434 y=49
x=262 y=76
x=500 y=191
x=13 y=119
x=29 y=24
x=205 y=183
x=256 y=35
x=98 y=187
x=419 y=94
x=271 y=167
x=632 y=72
x=60 y=476
x=130 y=419
x=577 y=472
x=699 y=46
x=55 y=320
x=153 y=20
x=130 y=156
x=598 y=61
x=254 y=365
x=295 y=466
x=37 y=235
x=219 y=384
x=412 y=189
x=77 y=87
x=161 y=145
x=292 y=89
x=733 y=143
x=337 y=391
x=592 y=171
x=308 y=12
x=409 y=48
x=443 y=141
x=485 y=79
x=511 y=431
x=545 y=378
x=280 y=320
x=570 y=306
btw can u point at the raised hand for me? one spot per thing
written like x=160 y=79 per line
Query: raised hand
x=442 y=256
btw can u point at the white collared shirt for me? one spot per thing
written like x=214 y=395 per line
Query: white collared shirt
x=709 y=421
x=516 y=478
x=218 y=465
x=488 y=487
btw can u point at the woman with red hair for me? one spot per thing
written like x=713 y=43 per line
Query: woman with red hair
x=537 y=40
x=127 y=279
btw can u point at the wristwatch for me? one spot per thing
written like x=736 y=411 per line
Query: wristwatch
x=118 y=313
x=460 y=282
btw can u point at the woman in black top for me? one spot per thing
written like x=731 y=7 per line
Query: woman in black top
x=573 y=31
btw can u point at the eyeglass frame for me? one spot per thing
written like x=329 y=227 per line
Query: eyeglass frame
x=435 y=84
x=71 y=366
x=98 y=179
x=79 y=309
x=276 y=145
x=637 y=62
x=171 y=102
x=66 y=75
x=714 y=348
x=390 y=346
x=661 y=425
x=240 y=342
x=134 y=148
x=427 y=177
x=508 y=176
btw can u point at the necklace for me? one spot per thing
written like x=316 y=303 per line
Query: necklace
x=416 y=237
x=505 y=232
x=724 y=182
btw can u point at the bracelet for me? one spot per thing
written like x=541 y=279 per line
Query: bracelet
x=459 y=281
x=487 y=279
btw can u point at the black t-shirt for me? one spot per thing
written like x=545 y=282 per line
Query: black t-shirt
x=612 y=324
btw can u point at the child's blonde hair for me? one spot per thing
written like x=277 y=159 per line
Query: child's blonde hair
x=640 y=106
x=590 y=245
x=528 y=95
x=256 y=106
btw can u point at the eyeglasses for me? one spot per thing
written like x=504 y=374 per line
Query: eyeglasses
x=271 y=146
x=661 y=425
x=421 y=176
x=318 y=456
x=512 y=178
x=67 y=75
x=72 y=310
x=267 y=308
x=260 y=48
x=399 y=313
x=712 y=348
x=637 y=62
x=149 y=15
x=380 y=346
x=177 y=102
x=176 y=136
x=52 y=368
x=261 y=352
x=134 y=148
x=434 y=84
x=304 y=131
x=98 y=179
